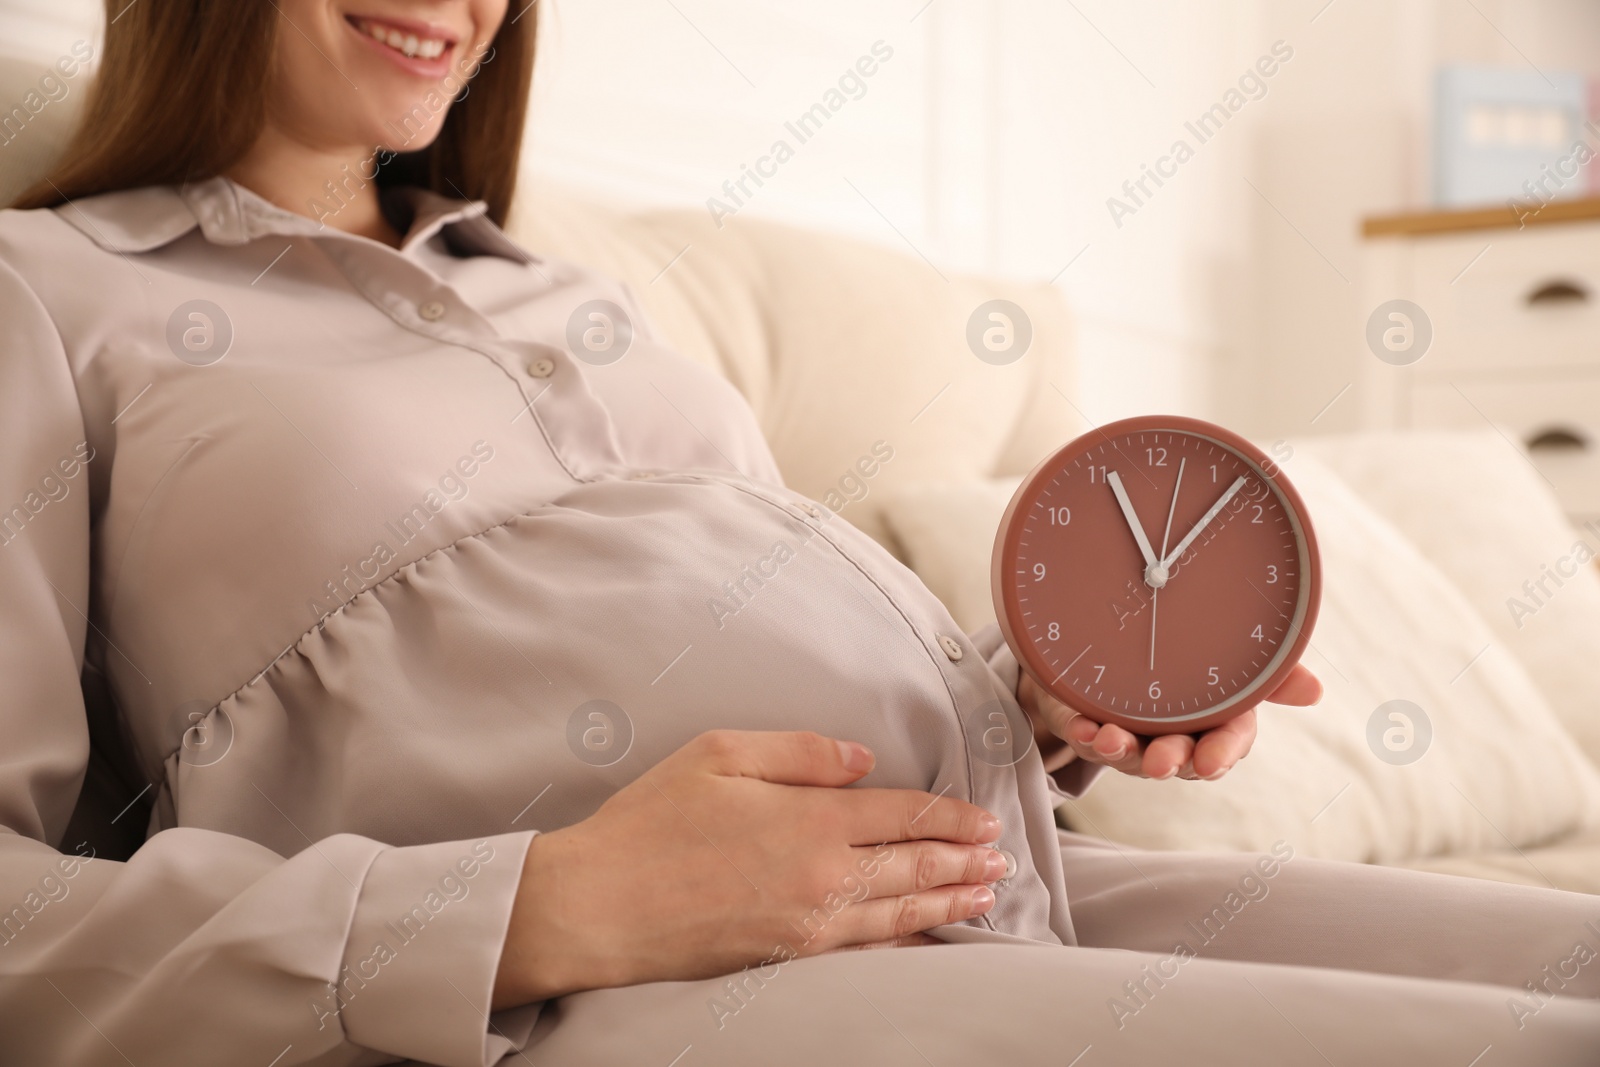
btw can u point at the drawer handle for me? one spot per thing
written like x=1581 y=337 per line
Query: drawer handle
x=1559 y=292
x=1558 y=439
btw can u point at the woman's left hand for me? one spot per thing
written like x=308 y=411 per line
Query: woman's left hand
x=1209 y=755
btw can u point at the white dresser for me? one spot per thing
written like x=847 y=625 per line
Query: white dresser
x=1514 y=313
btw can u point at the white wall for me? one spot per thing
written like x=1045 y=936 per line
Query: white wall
x=663 y=101
x=994 y=138
x=45 y=29
x=989 y=142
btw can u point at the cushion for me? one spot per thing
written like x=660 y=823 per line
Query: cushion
x=30 y=154
x=1500 y=770
x=1486 y=518
x=1572 y=863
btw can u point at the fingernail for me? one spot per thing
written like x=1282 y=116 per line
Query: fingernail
x=988 y=829
x=982 y=899
x=1116 y=753
x=994 y=868
x=1218 y=773
x=855 y=757
x=1168 y=773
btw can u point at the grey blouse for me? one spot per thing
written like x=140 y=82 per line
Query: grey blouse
x=366 y=565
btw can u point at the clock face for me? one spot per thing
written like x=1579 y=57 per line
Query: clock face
x=1158 y=573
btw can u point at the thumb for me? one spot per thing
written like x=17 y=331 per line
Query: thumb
x=785 y=757
x=1301 y=688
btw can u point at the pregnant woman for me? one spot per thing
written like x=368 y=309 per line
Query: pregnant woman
x=333 y=576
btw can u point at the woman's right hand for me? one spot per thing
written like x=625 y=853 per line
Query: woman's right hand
x=736 y=845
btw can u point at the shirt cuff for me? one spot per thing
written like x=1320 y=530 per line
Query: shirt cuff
x=1069 y=777
x=424 y=948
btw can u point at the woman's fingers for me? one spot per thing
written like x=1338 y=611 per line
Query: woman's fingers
x=1110 y=745
x=1208 y=756
x=1080 y=730
x=1218 y=750
x=1114 y=744
x=1300 y=689
x=892 y=918
x=869 y=816
x=923 y=884
x=1116 y=747
x=797 y=757
x=1166 y=755
x=916 y=866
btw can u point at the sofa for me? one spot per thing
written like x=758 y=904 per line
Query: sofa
x=1429 y=543
x=1452 y=580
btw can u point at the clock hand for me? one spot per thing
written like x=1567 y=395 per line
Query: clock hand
x=1156 y=575
x=1205 y=520
x=1115 y=481
x=1172 y=507
x=1155 y=597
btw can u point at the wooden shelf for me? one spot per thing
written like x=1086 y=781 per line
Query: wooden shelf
x=1419 y=223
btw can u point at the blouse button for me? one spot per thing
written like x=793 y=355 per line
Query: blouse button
x=542 y=368
x=810 y=509
x=432 y=311
x=1011 y=864
x=951 y=646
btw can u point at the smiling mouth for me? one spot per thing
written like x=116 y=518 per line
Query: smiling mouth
x=403 y=41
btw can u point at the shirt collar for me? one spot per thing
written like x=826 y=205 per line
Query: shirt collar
x=465 y=225
x=226 y=213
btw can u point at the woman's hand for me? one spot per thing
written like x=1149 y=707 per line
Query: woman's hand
x=1208 y=756
x=740 y=849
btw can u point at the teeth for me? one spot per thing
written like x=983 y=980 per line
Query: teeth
x=407 y=43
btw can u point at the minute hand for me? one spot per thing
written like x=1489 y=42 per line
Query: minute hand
x=1205 y=520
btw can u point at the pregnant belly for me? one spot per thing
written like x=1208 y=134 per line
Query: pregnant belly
x=554 y=658
x=518 y=678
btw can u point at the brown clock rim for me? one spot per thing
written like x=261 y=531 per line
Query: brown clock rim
x=1005 y=595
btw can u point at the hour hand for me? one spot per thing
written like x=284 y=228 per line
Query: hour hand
x=1115 y=481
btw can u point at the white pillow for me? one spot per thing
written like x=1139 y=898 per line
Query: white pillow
x=945 y=532
x=1500 y=768
x=1475 y=505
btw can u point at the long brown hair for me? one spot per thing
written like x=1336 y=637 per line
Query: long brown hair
x=181 y=96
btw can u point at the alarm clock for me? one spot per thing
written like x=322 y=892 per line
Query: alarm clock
x=1159 y=573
